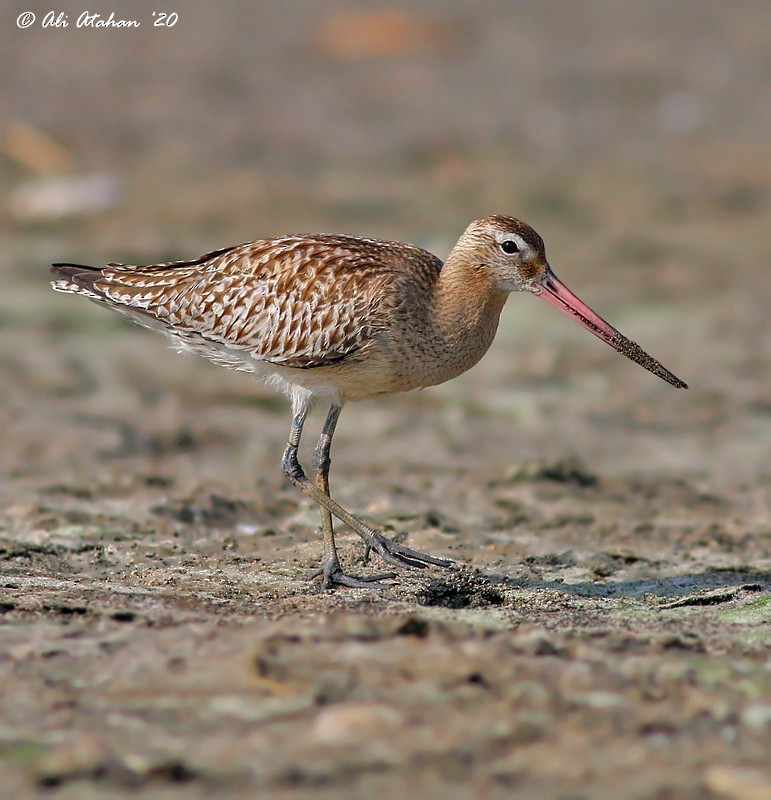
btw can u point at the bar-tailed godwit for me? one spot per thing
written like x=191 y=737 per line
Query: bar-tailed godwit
x=343 y=318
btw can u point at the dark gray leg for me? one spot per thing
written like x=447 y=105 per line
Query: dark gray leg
x=390 y=551
x=321 y=464
x=331 y=571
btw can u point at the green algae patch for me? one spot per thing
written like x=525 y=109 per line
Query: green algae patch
x=754 y=612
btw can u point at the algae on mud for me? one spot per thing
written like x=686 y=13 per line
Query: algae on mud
x=607 y=633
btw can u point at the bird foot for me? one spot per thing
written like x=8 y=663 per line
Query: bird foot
x=392 y=552
x=332 y=575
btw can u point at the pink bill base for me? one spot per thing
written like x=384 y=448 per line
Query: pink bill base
x=554 y=291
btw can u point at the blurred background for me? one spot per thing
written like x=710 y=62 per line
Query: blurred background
x=606 y=633
x=633 y=136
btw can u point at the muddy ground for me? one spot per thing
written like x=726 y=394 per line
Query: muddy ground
x=605 y=631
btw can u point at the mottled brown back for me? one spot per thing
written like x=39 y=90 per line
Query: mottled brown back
x=300 y=301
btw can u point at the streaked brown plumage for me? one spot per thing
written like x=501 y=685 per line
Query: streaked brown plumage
x=342 y=318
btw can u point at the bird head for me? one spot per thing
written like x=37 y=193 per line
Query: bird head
x=513 y=256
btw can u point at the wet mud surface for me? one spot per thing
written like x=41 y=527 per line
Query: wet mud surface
x=162 y=633
x=605 y=629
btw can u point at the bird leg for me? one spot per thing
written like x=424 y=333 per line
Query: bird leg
x=321 y=464
x=331 y=571
x=390 y=551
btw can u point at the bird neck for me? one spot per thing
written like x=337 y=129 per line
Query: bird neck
x=466 y=301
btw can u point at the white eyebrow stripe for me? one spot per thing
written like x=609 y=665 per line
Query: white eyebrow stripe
x=504 y=236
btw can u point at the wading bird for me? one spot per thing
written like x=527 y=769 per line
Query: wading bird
x=341 y=318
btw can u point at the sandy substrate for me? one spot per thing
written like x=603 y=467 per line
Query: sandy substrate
x=605 y=630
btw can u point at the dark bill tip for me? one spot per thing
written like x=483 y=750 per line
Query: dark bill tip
x=557 y=294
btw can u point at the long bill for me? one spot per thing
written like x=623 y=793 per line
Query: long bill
x=554 y=291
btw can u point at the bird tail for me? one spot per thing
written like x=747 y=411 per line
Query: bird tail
x=77 y=279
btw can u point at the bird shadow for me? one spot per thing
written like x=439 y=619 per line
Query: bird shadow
x=667 y=587
x=467 y=587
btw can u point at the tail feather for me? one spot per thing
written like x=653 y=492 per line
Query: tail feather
x=76 y=278
x=81 y=279
x=80 y=274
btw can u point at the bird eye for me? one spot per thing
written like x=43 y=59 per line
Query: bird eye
x=509 y=246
